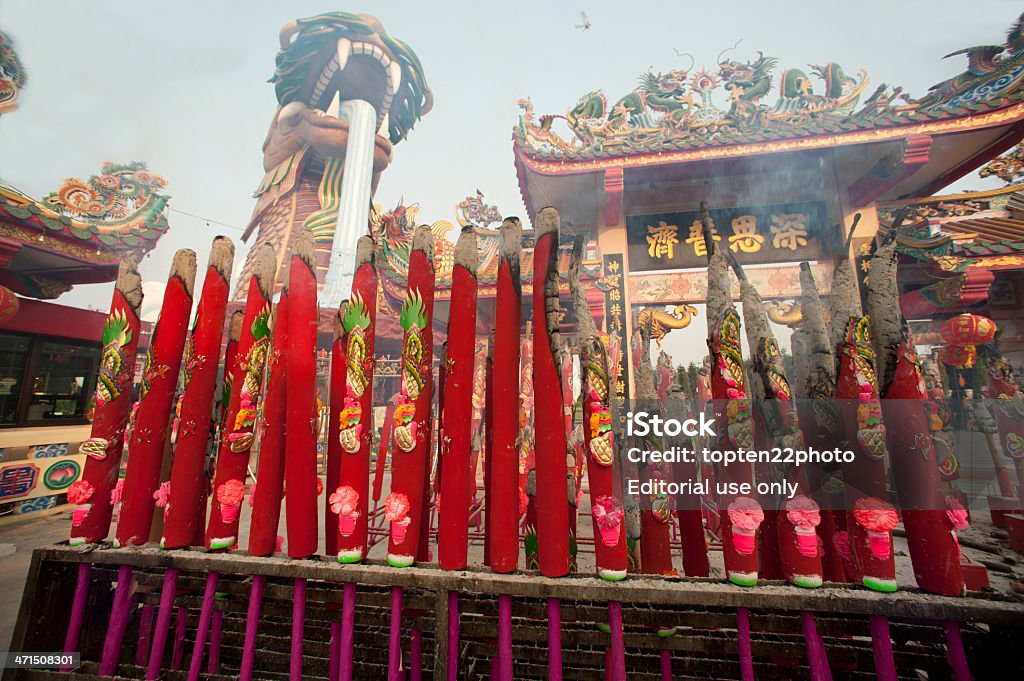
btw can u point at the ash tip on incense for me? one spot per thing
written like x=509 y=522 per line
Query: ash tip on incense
x=264 y=264
x=222 y=256
x=183 y=266
x=129 y=281
x=423 y=240
x=304 y=247
x=235 y=326
x=466 y=255
x=511 y=238
x=364 y=251
x=548 y=222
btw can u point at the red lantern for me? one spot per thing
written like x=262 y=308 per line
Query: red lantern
x=968 y=330
x=8 y=304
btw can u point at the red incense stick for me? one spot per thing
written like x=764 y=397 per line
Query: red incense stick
x=552 y=491
x=90 y=521
x=349 y=503
x=503 y=499
x=240 y=414
x=457 y=475
x=188 y=475
x=300 y=421
x=156 y=399
x=404 y=507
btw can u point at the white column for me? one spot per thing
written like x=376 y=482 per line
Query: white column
x=354 y=210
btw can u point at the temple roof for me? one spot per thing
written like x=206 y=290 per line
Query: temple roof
x=744 y=103
x=76 y=235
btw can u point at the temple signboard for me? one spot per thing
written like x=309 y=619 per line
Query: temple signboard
x=755 y=235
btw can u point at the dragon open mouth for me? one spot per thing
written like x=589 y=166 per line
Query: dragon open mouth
x=358 y=70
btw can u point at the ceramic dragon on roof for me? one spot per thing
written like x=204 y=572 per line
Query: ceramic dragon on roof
x=740 y=102
x=347 y=92
x=12 y=75
x=90 y=221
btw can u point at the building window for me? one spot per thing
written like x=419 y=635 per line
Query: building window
x=45 y=382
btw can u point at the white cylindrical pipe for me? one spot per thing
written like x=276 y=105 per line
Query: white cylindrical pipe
x=354 y=210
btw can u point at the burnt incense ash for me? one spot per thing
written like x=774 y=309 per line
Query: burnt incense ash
x=884 y=310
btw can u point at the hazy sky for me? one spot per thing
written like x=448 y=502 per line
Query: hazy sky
x=182 y=85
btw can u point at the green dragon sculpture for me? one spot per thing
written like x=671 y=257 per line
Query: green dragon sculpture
x=325 y=58
x=12 y=75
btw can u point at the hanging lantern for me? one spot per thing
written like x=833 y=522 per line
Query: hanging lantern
x=958 y=356
x=8 y=304
x=968 y=329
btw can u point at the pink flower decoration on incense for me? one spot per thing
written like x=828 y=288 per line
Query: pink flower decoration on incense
x=957 y=514
x=117 y=492
x=396 y=511
x=79 y=493
x=345 y=501
x=162 y=494
x=746 y=516
x=230 y=495
x=608 y=517
x=878 y=518
x=804 y=514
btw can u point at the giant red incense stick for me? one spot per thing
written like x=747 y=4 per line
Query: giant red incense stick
x=457 y=475
x=354 y=432
x=797 y=518
x=404 y=507
x=864 y=480
x=503 y=492
x=240 y=415
x=552 y=493
x=300 y=421
x=188 y=475
x=934 y=552
x=741 y=515
x=90 y=521
x=265 y=497
x=156 y=399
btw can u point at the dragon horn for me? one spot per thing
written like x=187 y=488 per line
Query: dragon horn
x=728 y=49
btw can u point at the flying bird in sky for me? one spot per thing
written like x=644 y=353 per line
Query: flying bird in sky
x=586 y=22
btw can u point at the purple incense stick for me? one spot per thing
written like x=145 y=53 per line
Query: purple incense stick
x=666 y=665
x=334 y=656
x=213 y=664
x=348 y=623
x=179 y=638
x=416 y=653
x=118 y=621
x=395 y=636
x=816 y=656
x=145 y=629
x=746 y=655
x=617 y=652
x=252 y=620
x=453 y=635
x=955 y=652
x=554 y=640
x=881 y=644
x=77 y=611
x=163 y=623
x=204 y=626
x=298 y=629
x=504 y=637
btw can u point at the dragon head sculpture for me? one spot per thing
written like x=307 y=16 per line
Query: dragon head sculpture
x=12 y=75
x=348 y=56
